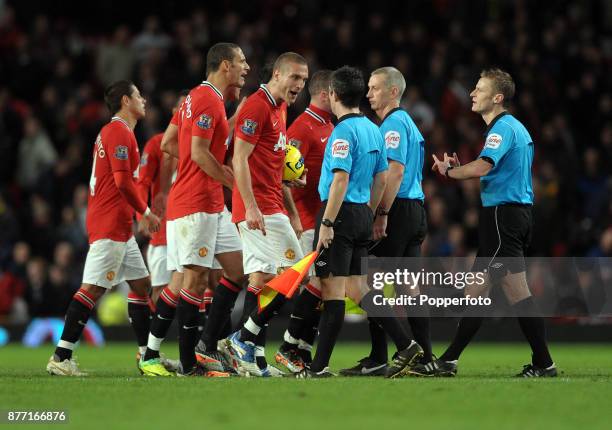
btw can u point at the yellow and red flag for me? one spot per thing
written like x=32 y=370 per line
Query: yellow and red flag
x=287 y=282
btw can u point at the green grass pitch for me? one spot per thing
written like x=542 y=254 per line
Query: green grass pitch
x=484 y=395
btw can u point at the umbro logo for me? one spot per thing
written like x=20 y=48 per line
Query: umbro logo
x=321 y=263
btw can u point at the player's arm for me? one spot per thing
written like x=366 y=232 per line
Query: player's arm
x=201 y=155
x=395 y=176
x=450 y=167
x=169 y=143
x=294 y=216
x=242 y=175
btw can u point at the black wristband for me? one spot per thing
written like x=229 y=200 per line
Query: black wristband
x=447 y=170
x=381 y=212
x=327 y=223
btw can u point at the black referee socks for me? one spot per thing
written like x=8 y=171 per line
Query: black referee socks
x=332 y=318
x=534 y=330
x=379 y=351
x=389 y=322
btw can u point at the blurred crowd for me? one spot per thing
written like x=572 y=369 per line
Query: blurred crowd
x=54 y=66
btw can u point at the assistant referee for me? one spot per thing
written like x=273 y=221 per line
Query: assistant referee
x=504 y=169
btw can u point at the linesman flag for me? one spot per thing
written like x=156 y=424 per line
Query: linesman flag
x=287 y=282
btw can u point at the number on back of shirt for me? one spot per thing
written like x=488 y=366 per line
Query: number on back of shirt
x=98 y=153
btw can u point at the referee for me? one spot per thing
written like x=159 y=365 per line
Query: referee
x=400 y=213
x=504 y=169
x=352 y=182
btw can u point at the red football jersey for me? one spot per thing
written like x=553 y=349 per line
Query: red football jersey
x=148 y=176
x=109 y=216
x=309 y=132
x=201 y=114
x=263 y=123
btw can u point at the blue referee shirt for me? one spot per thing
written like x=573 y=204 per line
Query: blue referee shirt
x=406 y=145
x=356 y=147
x=509 y=147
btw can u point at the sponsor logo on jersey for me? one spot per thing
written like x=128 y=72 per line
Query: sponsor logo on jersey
x=290 y=254
x=248 y=127
x=203 y=252
x=493 y=141
x=205 y=122
x=121 y=152
x=392 y=139
x=340 y=148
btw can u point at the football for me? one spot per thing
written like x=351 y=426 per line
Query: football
x=294 y=163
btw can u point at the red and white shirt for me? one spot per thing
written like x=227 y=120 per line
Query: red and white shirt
x=309 y=132
x=149 y=180
x=202 y=114
x=109 y=216
x=262 y=122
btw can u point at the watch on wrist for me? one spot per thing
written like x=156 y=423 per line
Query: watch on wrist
x=327 y=223
x=382 y=211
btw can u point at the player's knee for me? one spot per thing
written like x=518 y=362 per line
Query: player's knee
x=94 y=290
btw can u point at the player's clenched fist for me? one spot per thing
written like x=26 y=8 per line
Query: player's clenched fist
x=255 y=220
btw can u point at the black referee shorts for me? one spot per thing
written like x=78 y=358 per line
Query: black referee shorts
x=352 y=234
x=504 y=233
x=406 y=230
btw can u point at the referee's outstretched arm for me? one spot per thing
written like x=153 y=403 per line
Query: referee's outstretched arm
x=450 y=167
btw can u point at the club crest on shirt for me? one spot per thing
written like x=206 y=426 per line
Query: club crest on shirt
x=144 y=159
x=110 y=275
x=248 y=127
x=392 y=139
x=204 y=122
x=340 y=148
x=493 y=141
x=203 y=252
x=121 y=152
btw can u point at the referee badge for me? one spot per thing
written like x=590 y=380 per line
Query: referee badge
x=493 y=141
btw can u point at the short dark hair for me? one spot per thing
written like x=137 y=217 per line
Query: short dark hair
x=115 y=92
x=319 y=82
x=502 y=82
x=348 y=85
x=286 y=58
x=219 y=53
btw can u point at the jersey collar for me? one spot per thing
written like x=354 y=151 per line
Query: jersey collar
x=215 y=89
x=121 y=120
x=349 y=115
x=319 y=114
x=391 y=111
x=504 y=113
x=268 y=94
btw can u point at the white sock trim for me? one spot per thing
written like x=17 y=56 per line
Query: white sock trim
x=66 y=345
x=252 y=327
x=142 y=349
x=305 y=346
x=290 y=339
x=154 y=343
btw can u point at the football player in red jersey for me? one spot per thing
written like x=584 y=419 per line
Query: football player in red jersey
x=156 y=171
x=113 y=254
x=261 y=204
x=309 y=133
x=199 y=227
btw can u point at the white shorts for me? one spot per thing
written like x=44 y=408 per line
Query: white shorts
x=158 y=266
x=278 y=248
x=197 y=238
x=307 y=246
x=109 y=262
